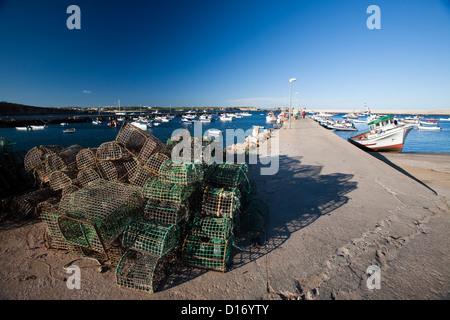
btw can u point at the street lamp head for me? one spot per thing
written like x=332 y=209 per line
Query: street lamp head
x=292 y=80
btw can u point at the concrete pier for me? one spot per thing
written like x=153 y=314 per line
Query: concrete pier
x=335 y=210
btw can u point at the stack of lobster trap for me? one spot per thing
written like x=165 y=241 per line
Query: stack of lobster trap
x=127 y=203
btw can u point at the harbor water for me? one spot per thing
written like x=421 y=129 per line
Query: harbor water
x=417 y=141
x=89 y=135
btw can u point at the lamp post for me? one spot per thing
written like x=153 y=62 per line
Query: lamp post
x=290 y=98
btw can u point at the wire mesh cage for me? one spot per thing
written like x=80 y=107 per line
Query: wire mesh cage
x=36 y=155
x=140 y=271
x=150 y=237
x=25 y=205
x=131 y=166
x=69 y=190
x=220 y=202
x=113 y=170
x=151 y=146
x=87 y=175
x=59 y=180
x=139 y=143
x=227 y=174
x=183 y=173
x=140 y=176
x=86 y=158
x=155 y=162
x=204 y=252
x=171 y=192
x=53 y=235
x=256 y=216
x=63 y=159
x=97 y=214
x=212 y=227
x=165 y=212
x=111 y=150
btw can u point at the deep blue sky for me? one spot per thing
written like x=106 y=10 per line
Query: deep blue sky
x=227 y=53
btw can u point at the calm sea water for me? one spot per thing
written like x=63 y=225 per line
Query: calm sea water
x=417 y=141
x=89 y=135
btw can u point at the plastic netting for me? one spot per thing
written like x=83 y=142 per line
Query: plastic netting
x=158 y=190
x=184 y=173
x=256 y=216
x=140 y=271
x=98 y=213
x=150 y=237
x=220 y=202
x=164 y=212
x=227 y=174
x=204 y=252
x=216 y=228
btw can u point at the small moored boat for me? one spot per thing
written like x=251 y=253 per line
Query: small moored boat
x=71 y=130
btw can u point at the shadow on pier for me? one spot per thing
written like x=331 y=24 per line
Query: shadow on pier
x=297 y=196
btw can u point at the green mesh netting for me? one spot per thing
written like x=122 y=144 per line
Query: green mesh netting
x=140 y=271
x=183 y=173
x=166 y=212
x=217 y=228
x=204 y=252
x=256 y=216
x=98 y=213
x=150 y=237
x=220 y=202
x=159 y=190
x=227 y=174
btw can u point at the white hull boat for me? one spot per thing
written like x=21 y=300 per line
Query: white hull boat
x=428 y=128
x=384 y=135
x=141 y=125
x=271 y=117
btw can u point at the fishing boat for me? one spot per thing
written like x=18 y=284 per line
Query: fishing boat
x=270 y=117
x=186 y=120
x=96 y=122
x=141 y=125
x=225 y=117
x=71 y=130
x=345 y=125
x=385 y=135
x=246 y=114
x=444 y=119
x=428 y=127
x=64 y=124
x=204 y=118
x=38 y=127
x=23 y=128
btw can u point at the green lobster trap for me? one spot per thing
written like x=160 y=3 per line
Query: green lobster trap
x=150 y=237
x=183 y=173
x=212 y=227
x=227 y=174
x=165 y=212
x=158 y=190
x=220 y=202
x=94 y=216
x=140 y=271
x=208 y=253
x=255 y=217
